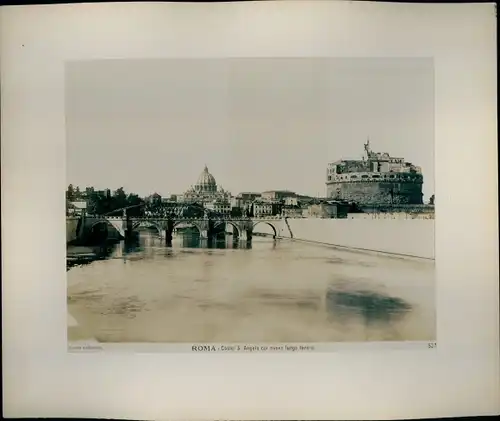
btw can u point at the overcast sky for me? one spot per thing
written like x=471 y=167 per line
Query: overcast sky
x=258 y=124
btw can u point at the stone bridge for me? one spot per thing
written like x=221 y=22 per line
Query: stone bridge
x=242 y=227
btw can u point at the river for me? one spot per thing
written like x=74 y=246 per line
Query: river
x=267 y=291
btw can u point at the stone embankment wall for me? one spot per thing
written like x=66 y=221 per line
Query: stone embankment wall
x=412 y=237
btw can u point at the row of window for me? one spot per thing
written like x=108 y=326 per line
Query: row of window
x=376 y=176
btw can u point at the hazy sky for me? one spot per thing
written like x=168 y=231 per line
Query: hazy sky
x=258 y=124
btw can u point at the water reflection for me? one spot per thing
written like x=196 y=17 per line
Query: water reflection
x=196 y=290
x=218 y=242
x=144 y=243
x=132 y=245
x=372 y=306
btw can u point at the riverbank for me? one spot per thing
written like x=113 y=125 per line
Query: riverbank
x=405 y=237
x=77 y=255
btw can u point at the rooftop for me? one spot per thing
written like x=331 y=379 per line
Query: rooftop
x=79 y=205
x=278 y=191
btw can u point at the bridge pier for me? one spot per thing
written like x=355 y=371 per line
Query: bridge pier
x=169 y=230
x=129 y=226
x=245 y=229
x=245 y=235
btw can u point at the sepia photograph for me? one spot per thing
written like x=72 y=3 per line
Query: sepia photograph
x=249 y=196
x=250 y=200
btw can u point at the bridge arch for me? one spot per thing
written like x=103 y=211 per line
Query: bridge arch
x=188 y=221
x=275 y=231
x=148 y=224
x=96 y=223
x=98 y=231
x=233 y=224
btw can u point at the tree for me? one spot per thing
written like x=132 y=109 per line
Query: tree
x=236 y=212
x=70 y=193
x=134 y=200
x=98 y=204
x=193 y=210
x=432 y=200
x=103 y=203
x=119 y=198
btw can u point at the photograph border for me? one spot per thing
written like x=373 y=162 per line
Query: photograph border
x=328 y=70
x=41 y=379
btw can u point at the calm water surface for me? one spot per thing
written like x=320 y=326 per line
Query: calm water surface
x=269 y=291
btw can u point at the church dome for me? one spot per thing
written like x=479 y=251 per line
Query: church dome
x=206 y=181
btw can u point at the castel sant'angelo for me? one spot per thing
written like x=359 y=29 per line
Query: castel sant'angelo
x=376 y=179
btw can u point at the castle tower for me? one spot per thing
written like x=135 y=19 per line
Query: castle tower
x=381 y=179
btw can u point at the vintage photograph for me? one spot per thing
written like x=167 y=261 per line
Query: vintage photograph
x=250 y=200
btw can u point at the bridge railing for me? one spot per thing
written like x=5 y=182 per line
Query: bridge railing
x=225 y=218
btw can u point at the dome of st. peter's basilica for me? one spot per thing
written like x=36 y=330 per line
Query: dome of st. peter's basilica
x=206 y=182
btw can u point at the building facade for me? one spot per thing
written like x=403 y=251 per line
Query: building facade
x=220 y=206
x=275 y=195
x=245 y=198
x=261 y=208
x=376 y=179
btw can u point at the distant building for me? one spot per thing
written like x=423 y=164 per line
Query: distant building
x=154 y=198
x=105 y=193
x=266 y=208
x=291 y=201
x=220 y=206
x=249 y=195
x=70 y=209
x=278 y=195
x=244 y=198
x=292 y=211
x=76 y=208
x=80 y=205
x=376 y=179
x=303 y=200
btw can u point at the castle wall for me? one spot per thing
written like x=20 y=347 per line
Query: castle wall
x=373 y=192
